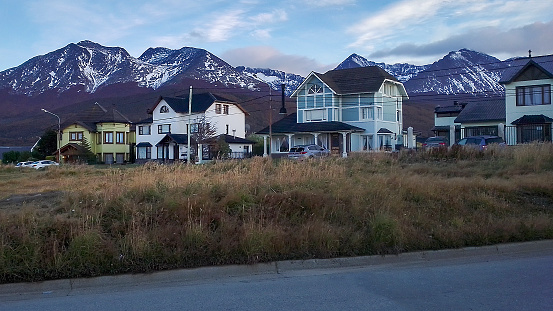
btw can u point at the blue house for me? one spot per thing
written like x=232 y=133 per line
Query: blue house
x=347 y=110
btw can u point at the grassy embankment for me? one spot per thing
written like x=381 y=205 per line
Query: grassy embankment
x=89 y=222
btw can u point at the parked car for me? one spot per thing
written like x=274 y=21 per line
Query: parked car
x=24 y=164
x=480 y=142
x=307 y=151
x=43 y=164
x=435 y=142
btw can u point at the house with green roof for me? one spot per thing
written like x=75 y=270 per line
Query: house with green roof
x=346 y=110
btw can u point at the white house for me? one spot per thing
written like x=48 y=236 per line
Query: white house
x=357 y=109
x=529 y=113
x=164 y=137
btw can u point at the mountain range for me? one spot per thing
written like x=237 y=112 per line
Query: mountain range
x=87 y=71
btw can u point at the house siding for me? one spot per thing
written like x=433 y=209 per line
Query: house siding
x=514 y=112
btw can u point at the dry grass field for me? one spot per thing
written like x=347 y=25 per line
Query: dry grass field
x=75 y=221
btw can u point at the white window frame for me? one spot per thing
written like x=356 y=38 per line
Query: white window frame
x=309 y=117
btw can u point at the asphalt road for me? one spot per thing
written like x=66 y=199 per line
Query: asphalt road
x=506 y=277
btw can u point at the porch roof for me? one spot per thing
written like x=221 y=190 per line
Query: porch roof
x=533 y=119
x=289 y=125
x=180 y=139
x=144 y=144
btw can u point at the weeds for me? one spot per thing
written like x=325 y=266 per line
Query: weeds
x=168 y=216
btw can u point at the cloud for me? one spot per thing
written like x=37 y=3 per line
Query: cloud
x=393 y=19
x=419 y=21
x=491 y=40
x=269 y=57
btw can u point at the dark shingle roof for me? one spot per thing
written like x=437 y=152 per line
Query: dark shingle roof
x=200 y=102
x=545 y=63
x=181 y=139
x=533 y=119
x=355 y=80
x=290 y=125
x=484 y=110
x=449 y=109
x=97 y=114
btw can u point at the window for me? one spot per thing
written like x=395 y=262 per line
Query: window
x=533 y=95
x=225 y=109
x=75 y=135
x=194 y=128
x=367 y=140
x=120 y=137
x=315 y=115
x=163 y=109
x=108 y=138
x=367 y=113
x=144 y=130
x=144 y=152
x=379 y=114
x=389 y=89
x=164 y=129
x=398 y=115
x=218 y=108
x=314 y=89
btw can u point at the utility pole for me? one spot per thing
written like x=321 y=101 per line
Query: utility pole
x=188 y=130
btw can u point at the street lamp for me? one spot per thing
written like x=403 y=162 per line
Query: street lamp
x=58 y=135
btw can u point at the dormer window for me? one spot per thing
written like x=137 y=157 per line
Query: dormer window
x=315 y=88
x=164 y=109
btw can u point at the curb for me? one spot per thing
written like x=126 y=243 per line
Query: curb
x=66 y=286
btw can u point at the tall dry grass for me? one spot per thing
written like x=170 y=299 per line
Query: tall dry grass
x=169 y=216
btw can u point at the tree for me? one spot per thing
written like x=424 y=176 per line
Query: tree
x=202 y=130
x=87 y=155
x=222 y=148
x=47 y=144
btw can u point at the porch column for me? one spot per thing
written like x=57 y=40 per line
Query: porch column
x=410 y=137
x=501 y=130
x=289 y=141
x=344 y=143
x=316 y=135
x=200 y=154
x=451 y=135
x=265 y=146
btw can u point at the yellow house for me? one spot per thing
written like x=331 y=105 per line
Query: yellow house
x=105 y=133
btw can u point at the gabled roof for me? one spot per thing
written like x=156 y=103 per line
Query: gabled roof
x=353 y=80
x=181 y=139
x=519 y=66
x=200 y=102
x=483 y=111
x=289 y=125
x=356 y=80
x=97 y=114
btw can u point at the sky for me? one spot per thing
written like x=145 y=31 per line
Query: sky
x=296 y=36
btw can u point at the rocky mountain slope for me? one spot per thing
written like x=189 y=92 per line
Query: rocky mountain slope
x=87 y=71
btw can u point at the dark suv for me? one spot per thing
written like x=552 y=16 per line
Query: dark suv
x=481 y=142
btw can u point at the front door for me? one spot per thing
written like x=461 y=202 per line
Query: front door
x=335 y=144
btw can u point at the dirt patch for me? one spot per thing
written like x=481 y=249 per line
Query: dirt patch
x=49 y=199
